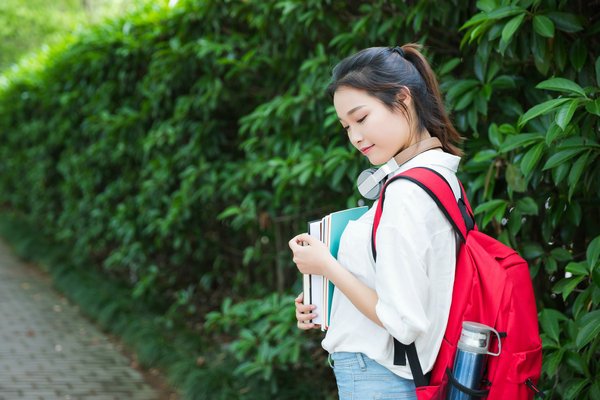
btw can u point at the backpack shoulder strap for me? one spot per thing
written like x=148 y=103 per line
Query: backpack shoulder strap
x=460 y=216
x=458 y=213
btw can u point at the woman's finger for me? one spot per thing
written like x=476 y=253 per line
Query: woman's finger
x=305 y=326
x=304 y=308
x=299 y=240
x=305 y=316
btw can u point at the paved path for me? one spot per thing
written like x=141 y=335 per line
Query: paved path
x=49 y=351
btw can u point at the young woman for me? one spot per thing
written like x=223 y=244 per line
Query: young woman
x=387 y=99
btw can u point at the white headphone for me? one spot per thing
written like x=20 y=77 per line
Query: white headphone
x=371 y=181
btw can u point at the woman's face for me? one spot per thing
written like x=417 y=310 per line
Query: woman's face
x=373 y=128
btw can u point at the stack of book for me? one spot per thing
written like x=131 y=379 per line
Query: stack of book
x=317 y=289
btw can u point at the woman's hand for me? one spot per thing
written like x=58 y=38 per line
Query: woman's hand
x=304 y=315
x=312 y=259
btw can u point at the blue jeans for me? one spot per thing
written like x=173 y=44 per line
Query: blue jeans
x=358 y=377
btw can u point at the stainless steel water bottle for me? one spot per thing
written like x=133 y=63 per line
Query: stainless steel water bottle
x=470 y=358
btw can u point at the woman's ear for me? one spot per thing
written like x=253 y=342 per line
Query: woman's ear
x=404 y=96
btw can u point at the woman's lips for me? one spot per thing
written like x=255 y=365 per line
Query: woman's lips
x=365 y=150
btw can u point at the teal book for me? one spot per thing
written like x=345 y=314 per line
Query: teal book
x=317 y=289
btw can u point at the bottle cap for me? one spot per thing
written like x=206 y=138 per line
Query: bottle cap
x=475 y=337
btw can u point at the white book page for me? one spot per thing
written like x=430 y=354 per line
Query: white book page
x=316 y=281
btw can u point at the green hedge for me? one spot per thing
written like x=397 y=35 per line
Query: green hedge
x=179 y=149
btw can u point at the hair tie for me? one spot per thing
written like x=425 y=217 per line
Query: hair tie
x=399 y=50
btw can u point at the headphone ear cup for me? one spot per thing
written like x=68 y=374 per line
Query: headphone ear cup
x=373 y=192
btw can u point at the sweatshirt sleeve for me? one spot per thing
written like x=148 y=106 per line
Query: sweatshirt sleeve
x=409 y=223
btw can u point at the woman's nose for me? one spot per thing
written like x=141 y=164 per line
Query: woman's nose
x=354 y=136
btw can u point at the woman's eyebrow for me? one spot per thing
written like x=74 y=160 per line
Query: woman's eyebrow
x=352 y=111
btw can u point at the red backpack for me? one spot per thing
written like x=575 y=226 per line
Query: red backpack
x=492 y=286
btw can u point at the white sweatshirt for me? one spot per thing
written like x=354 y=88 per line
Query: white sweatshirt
x=413 y=275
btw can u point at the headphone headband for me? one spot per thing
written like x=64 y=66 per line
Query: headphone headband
x=417 y=148
x=371 y=180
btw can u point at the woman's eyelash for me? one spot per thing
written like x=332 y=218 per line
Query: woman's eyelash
x=358 y=120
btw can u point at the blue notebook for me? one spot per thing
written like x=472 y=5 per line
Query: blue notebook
x=329 y=230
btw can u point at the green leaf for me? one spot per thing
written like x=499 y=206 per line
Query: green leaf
x=480 y=30
x=521 y=140
x=531 y=158
x=541 y=109
x=543 y=25
x=527 y=206
x=531 y=250
x=492 y=209
x=566 y=22
x=515 y=220
x=507 y=128
x=595 y=390
x=551 y=265
x=511 y=27
x=561 y=156
x=577 y=268
x=561 y=254
x=565 y=113
x=485 y=155
x=593 y=253
x=560 y=172
x=488 y=206
x=504 y=82
x=549 y=320
x=229 y=211
x=588 y=329
x=493 y=69
x=476 y=19
x=495 y=32
x=593 y=107
x=479 y=68
x=487 y=5
x=494 y=135
x=566 y=285
x=515 y=178
x=504 y=12
x=552 y=361
x=561 y=85
x=578 y=54
x=575 y=362
x=461 y=86
x=464 y=101
x=581 y=302
x=574 y=213
x=449 y=66
x=574 y=388
x=481 y=103
x=576 y=171
x=553 y=133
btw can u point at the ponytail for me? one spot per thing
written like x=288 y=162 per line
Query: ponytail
x=383 y=73
x=437 y=122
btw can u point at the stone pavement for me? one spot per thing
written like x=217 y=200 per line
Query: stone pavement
x=49 y=351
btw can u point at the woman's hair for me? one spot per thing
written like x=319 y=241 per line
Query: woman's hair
x=383 y=72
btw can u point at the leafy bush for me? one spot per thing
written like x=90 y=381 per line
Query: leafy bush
x=264 y=340
x=179 y=149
